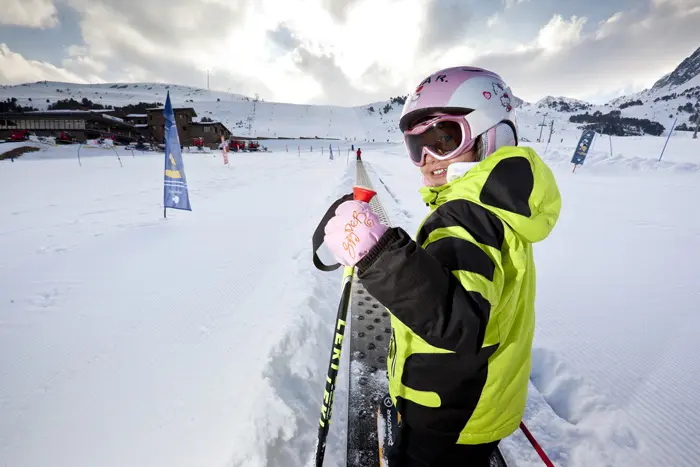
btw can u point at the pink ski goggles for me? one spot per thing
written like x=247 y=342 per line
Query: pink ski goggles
x=443 y=137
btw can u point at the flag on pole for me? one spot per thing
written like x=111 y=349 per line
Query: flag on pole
x=583 y=145
x=175 y=195
x=224 y=150
x=331 y=148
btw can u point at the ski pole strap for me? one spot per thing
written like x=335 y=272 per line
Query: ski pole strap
x=317 y=239
x=536 y=445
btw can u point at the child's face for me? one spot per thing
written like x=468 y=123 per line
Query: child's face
x=432 y=165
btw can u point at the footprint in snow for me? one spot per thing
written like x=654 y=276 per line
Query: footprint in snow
x=44 y=300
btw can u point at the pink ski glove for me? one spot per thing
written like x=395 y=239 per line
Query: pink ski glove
x=353 y=231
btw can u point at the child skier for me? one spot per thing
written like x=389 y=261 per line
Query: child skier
x=461 y=295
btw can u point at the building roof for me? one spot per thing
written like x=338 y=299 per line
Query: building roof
x=211 y=124
x=76 y=114
x=55 y=112
x=175 y=109
x=112 y=117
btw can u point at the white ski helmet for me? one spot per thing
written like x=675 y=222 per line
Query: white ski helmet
x=482 y=95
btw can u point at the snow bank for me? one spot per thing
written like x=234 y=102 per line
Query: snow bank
x=129 y=339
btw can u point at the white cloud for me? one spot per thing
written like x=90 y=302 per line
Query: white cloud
x=85 y=66
x=559 y=33
x=676 y=3
x=15 y=69
x=512 y=3
x=494 y=20
x=628 y=51
x=329 y=51
x=610 y=26
x=76 y=50
x=29 y=13
x=681 y=7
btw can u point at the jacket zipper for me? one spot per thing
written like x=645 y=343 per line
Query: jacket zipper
x=393 y=351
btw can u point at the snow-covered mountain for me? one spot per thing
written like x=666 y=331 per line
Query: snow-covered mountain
x=675 y=96
x=42 y=93
x=244 y=116
x=563 y=104
x=687 y=70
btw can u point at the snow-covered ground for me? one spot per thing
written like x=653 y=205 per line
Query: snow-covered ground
x=202 y=339
x=129 y=339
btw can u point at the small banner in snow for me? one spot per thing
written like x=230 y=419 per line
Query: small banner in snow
x=175 y=194
x=224 y=149
x=583 y=145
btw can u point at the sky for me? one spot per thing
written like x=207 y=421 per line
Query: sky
x=350 y=52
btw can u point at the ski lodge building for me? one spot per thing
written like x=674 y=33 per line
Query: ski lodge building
x=82 y=124
x=188 y=130
x=93 y=124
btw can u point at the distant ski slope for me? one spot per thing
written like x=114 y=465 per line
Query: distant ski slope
x=245 y=116
x=241 y=114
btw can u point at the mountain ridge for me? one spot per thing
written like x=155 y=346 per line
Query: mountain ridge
x=688 y=69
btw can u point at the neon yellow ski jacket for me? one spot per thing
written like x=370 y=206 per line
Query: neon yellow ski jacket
x=462 y=298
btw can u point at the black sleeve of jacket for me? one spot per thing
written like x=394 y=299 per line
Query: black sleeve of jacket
x=424 y=294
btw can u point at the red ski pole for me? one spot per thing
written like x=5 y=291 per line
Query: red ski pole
x=536 y=445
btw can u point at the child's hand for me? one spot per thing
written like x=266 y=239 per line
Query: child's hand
x=353 y=231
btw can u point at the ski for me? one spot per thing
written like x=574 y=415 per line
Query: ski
x=497 y=459
x=370 y=333
x=388 y=425
x=373 y=421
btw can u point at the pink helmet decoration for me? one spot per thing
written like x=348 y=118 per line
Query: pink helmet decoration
x=482 y=95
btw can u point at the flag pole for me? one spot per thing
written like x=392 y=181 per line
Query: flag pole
x=669 y=137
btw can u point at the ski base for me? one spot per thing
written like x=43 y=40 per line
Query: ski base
x=388 y=425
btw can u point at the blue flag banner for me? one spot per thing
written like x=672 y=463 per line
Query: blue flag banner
x=583 y=145
x=175 y=195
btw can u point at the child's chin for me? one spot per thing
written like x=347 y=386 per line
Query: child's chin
x=434 y=181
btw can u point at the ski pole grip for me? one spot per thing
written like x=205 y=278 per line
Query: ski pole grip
x=361 y=193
